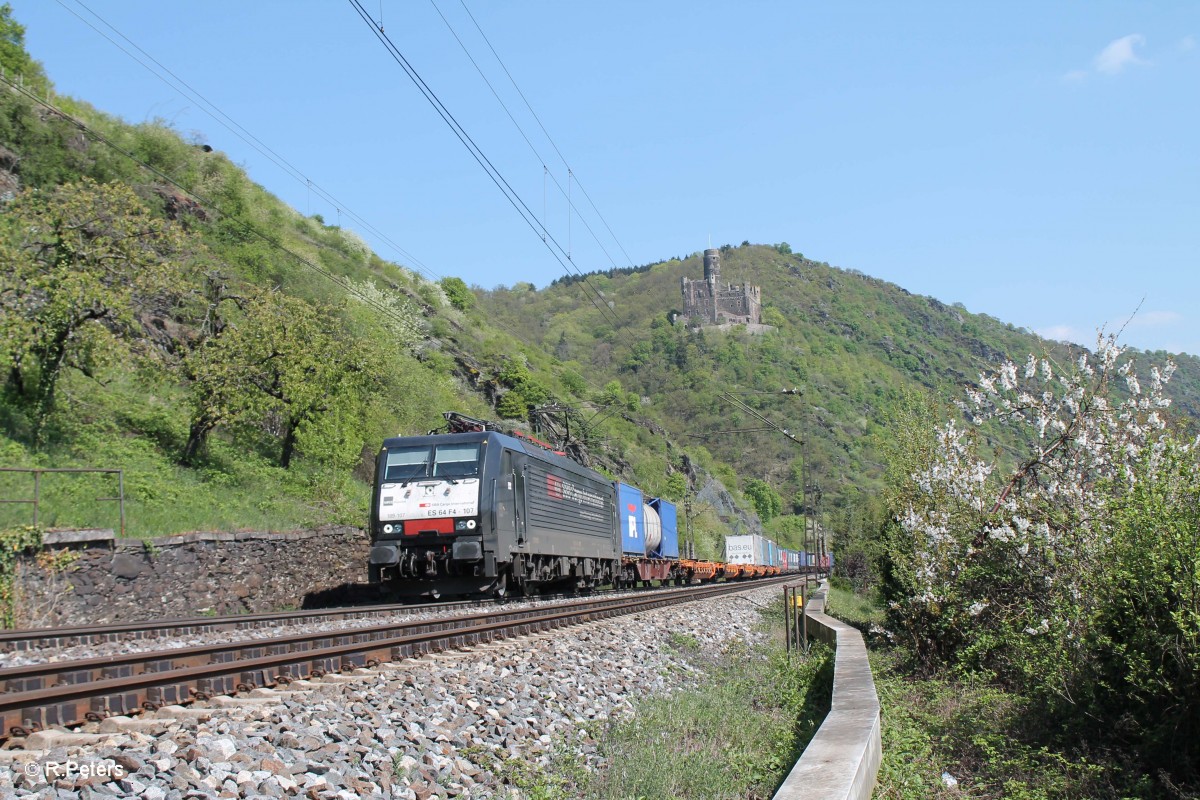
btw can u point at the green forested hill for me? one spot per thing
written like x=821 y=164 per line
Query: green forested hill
x=853 y=344
x=163 y=314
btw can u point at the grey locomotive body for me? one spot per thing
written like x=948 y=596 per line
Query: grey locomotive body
x=470 y=513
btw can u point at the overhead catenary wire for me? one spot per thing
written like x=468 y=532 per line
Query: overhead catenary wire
x=511 y=195
x=300 y=176
x=737 y=403
x=549 y=138
x=311 y=187
x=570 y=173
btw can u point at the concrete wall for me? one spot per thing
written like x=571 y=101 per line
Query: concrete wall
x=119 y=580
x=842 y=760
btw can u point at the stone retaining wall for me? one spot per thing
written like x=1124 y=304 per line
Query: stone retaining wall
x=119 y=580
x=842 y=760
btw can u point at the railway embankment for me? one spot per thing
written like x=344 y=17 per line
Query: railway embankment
x=91 y=577
x=486 y=721
x=842 y=760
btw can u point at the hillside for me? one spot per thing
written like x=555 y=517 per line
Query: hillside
x=852 y=343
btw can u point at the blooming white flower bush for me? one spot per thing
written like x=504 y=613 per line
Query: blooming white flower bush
x=999 y=543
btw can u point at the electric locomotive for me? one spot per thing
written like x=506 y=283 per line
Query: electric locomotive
x=481 y=512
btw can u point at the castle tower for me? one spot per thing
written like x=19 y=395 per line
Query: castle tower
x=712 y=276
x=712 y=266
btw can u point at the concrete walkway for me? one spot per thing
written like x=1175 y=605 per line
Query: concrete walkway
x=842 y=760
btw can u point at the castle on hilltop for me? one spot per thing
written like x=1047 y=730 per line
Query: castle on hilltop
x=710 y=302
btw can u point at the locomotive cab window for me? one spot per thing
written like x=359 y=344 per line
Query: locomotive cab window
x=445 y=461
x=456 y=461
x=407 y=463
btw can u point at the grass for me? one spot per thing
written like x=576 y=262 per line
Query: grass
x=852 y=608
x=990 y=741
x=735 y=736
x=162 y=498
x=982 y=737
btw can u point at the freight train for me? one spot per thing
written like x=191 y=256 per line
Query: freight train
x=479 y=512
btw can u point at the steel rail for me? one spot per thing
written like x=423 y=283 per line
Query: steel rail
x=25 y=638
x=272 y=662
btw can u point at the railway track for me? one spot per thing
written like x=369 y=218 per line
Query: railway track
x=30 y=639
x=44 y=638
x=68 y=693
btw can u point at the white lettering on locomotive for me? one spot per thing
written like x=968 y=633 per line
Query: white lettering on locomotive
x=559 y=489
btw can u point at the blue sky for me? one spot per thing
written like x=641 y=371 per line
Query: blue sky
x=1038 y=162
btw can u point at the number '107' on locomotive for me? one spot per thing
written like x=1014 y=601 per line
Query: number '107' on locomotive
x=482 y=512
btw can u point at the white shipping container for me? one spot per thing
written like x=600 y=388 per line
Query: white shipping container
x=746 y=549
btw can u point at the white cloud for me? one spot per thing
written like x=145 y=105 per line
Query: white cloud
x=1186 y=44
x=1065 y=333
x=1119 y=54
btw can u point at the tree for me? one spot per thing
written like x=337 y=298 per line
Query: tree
x=458 y=293
x=1146 y=636
x=766 y=501
x=574 y=383
x=513 y=406
x=13 y=56
x=612 y=393
x=288 y=361
x=676 y=488
x=86 y=263
x=390 y=310
x=515 y=374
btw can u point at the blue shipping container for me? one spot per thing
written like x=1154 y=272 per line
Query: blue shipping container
x=669 y=547
x=633 y=519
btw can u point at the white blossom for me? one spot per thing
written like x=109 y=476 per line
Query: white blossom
x=1046 y=512
x=1008 y=376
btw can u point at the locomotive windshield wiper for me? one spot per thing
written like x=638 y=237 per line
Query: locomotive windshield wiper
x=424 y=468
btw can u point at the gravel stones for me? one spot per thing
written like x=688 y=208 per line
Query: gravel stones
x=438 y=726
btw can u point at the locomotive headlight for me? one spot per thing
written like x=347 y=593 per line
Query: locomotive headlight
x=470 y=524
x=387 y=528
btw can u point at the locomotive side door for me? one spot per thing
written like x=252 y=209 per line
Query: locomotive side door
x=510 y=495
